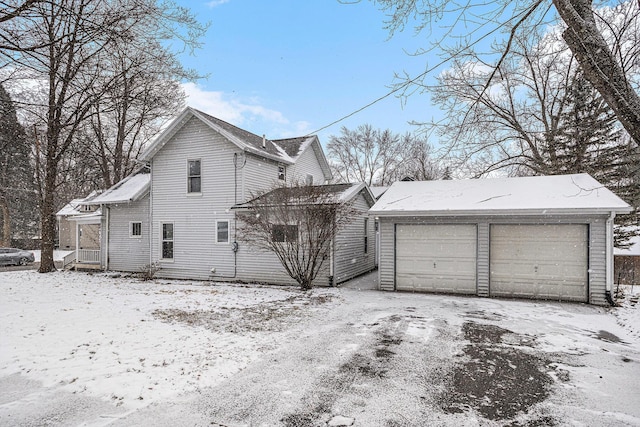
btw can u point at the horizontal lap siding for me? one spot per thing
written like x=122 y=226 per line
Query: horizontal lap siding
x=307 y=163
x=128 y=253
x=257 y=175
x=386 y=265
x=194 y=216
x=597 y=246
x=350 y=260
x=597 y=262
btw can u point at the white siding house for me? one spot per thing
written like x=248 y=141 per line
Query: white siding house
x=198 y=168
x=533 y=237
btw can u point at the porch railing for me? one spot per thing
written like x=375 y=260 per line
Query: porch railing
x=89 y=256
x=68 y=259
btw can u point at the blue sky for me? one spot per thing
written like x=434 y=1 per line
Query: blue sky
x=287 y=68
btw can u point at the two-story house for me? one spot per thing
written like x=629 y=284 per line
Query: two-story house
x=178 y=210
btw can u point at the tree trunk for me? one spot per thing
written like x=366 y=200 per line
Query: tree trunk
x=598 y=63
x=47 y=218
x=6 y=223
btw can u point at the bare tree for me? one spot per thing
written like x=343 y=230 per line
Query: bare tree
x=298 y=224
x=61 y=46
x=472 y=23
x=380 y=157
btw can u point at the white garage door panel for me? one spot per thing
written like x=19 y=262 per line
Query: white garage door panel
x=539 y=261
x=436 y=258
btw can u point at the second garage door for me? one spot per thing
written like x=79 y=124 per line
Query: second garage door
x=436 y=258
x=539 y=261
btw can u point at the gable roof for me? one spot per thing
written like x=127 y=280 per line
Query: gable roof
x=73 y=207
x=295 y=147
x=130 y=189
x=243 y=139
x=342 y=192
x=538 y=195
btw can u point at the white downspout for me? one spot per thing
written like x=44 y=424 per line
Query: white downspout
x=609 y=256
x=106 y=238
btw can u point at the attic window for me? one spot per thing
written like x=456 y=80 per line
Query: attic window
x=282 y=173
x=309 y=179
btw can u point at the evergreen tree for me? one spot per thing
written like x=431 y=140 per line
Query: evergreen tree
x=17 y=189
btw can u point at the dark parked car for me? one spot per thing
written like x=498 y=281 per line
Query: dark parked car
x=13 y=256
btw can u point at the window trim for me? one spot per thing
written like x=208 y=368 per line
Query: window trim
x=162 y=240
x=228 y=232
x=189 y=177
x=135 y=236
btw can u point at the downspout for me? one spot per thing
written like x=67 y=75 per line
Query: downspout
x=106 y=237
x=609 y=258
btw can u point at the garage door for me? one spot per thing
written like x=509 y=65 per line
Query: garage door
x=539 y=261
x=436 y=258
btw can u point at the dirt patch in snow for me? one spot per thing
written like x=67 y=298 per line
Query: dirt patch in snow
x=272 y=316
x=500 y=377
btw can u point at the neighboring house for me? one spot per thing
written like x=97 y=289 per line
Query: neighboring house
x=547 y=237
x=180 y=214
x=627 y=263
x=79 y=226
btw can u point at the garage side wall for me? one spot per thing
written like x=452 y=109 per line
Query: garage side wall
x=597 y=247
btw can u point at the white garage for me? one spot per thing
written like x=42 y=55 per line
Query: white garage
x=548 y=261
x=436 y=258
x=548 y=237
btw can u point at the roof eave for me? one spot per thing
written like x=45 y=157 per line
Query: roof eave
x=501 y=212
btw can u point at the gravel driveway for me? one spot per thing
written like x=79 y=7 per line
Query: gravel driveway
x=366 y=358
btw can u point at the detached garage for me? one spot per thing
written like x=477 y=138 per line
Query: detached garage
x=533 y=237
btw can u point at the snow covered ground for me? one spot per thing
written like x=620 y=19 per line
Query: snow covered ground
x=93 y=349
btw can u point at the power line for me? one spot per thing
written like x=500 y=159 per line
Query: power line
x=413 y=80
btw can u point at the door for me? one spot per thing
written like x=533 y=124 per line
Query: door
x=539 y=261
x=436 y=258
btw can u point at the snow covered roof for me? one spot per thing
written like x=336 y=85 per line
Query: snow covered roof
x=343 y=192
x=74 y=206
x=378 y=191
x=128 y=190
x=558 y=194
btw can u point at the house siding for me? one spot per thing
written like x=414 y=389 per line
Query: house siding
x=596 y=253
x=257 y=175
x=350 y=259
x=194 y=215
x=128 y=253
x=307 y=163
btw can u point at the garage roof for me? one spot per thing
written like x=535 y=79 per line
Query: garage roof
x=538 y=195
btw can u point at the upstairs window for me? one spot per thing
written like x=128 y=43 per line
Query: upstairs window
x=284 y=233
x=193 y=177
x=282 y=173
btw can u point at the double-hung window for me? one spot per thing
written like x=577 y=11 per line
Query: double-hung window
x=194 y=177
x=282 y=173
x=222 y=231
x=167 y=240
x=284 y=233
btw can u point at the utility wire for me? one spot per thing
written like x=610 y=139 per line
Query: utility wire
x=413 y=80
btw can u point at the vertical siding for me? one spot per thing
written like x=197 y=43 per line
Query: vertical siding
x=350 y=259
x=194 y=216
x=597 y=261
x=307 y=163
x=386 y=266
x=483 y=259
x=128 y=253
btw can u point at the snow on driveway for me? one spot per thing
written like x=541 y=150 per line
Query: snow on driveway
x=86 y=349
